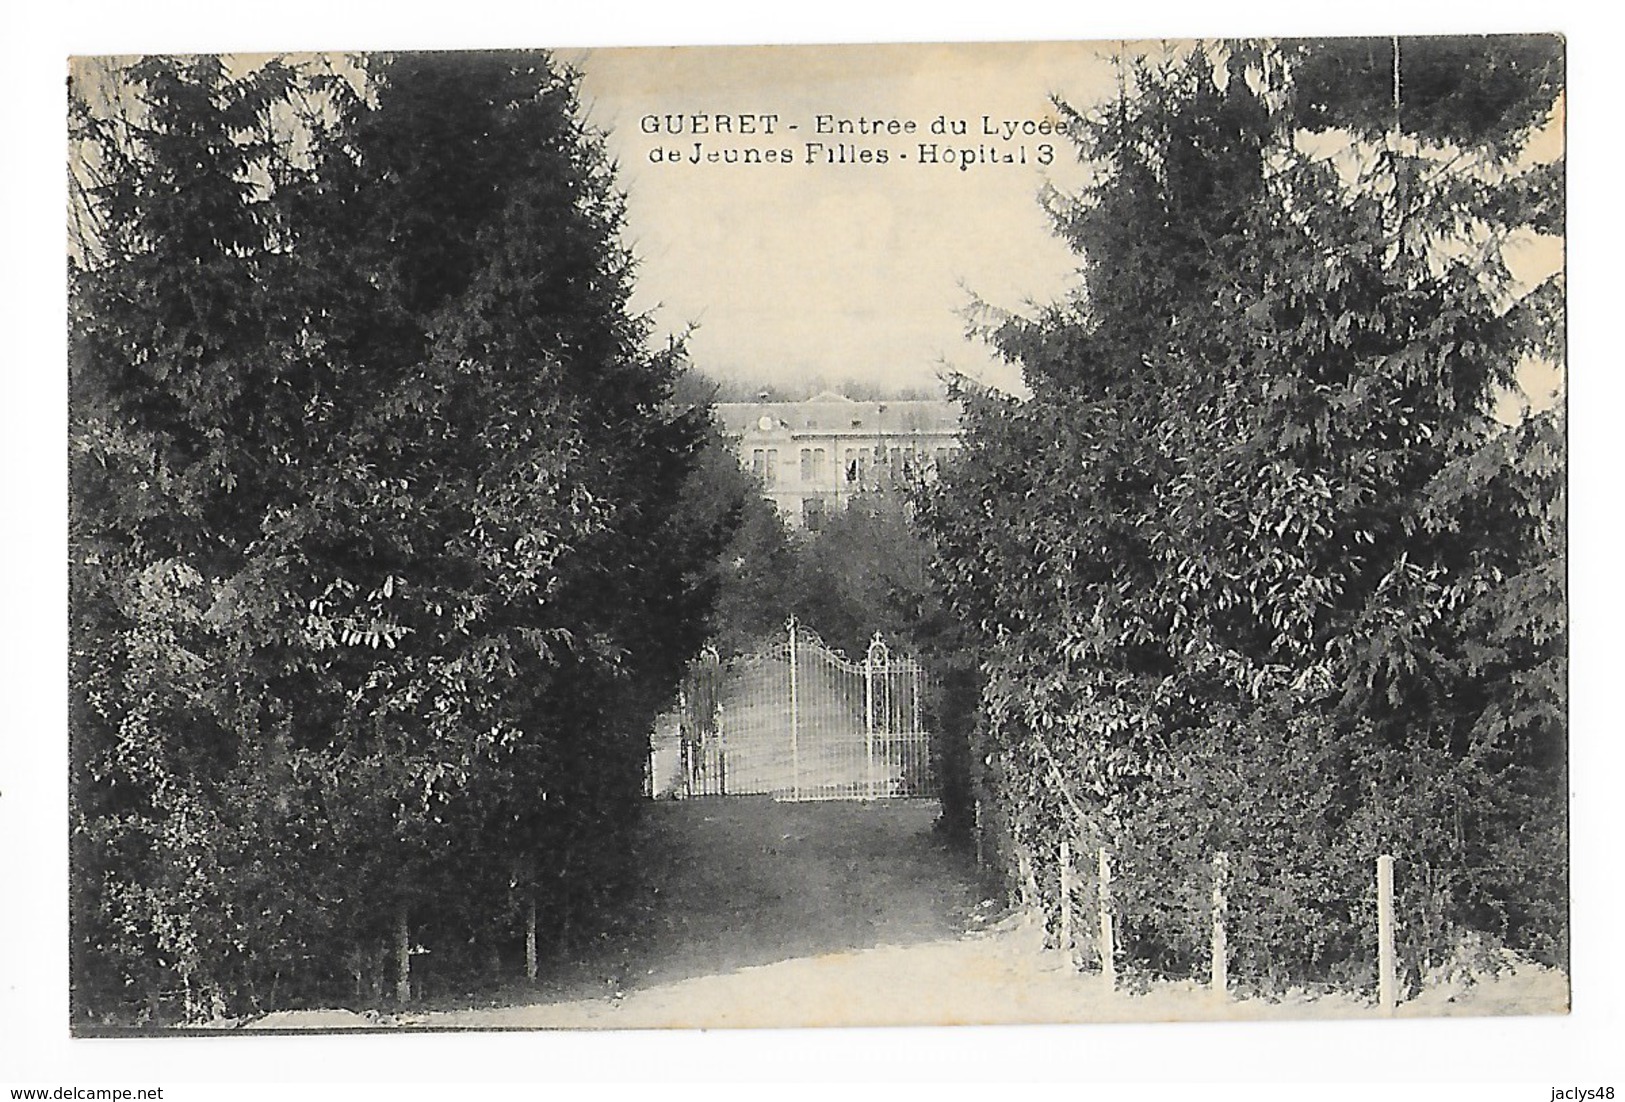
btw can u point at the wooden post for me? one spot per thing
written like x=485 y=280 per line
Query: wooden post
x=1108 y=955
x=981 y=853
x=1221 y=941
x=403 y=959
x=1387 y=995
x=530 y=940
x=1065 y=935
x=1029 y=886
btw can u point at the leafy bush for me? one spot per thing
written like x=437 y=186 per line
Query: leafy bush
x=378 y=570
x=1255 y=570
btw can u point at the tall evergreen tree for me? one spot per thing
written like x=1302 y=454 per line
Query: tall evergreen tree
x=1220 y=563
x=377 y=570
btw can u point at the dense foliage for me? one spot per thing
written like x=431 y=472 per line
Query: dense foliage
x=1255 y=570
x=864 y=570
x=378 y=564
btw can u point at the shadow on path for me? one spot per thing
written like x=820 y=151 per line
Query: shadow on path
x=736 y=883
x=842 y=914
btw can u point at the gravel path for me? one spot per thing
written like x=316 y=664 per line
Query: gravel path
x=788 y=915
x=827 y=914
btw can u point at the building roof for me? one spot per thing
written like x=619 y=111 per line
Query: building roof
x=834 y=414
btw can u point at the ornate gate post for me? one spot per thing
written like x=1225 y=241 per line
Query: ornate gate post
x=722 y=753
x=686 y=737
x=877 y=656
x=795 y=748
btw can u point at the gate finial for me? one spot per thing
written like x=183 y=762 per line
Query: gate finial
x=879 y=653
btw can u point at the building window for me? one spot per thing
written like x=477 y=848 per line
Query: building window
x=764 y=464
x=857 y=465
x=812 y=513
x=814 y=466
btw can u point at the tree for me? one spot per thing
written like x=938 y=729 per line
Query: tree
x=1218 y=565
x=377 y=571
x=755 y=575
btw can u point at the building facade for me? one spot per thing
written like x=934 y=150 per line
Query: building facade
x=813 y=457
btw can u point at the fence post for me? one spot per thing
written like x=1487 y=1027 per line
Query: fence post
x=530 y=939
x=1221 y=940
x=1386 y=985
x=1108 y=955
x=795 y=746
x=403 y=959
x=1065 y=936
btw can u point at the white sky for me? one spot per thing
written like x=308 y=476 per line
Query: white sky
x=841 y=271
x=796 y=272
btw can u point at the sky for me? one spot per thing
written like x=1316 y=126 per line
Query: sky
x=809 y=273
x=843 y=271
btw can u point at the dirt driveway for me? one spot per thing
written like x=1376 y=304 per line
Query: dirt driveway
x=783 y=914
x=759 y=913
x=750 y=901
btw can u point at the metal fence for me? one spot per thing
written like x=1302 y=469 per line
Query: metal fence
x=797 y=721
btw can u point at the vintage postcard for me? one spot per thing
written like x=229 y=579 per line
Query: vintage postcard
x=791 y=536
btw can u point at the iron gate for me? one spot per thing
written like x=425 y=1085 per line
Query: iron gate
x=797 y=721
